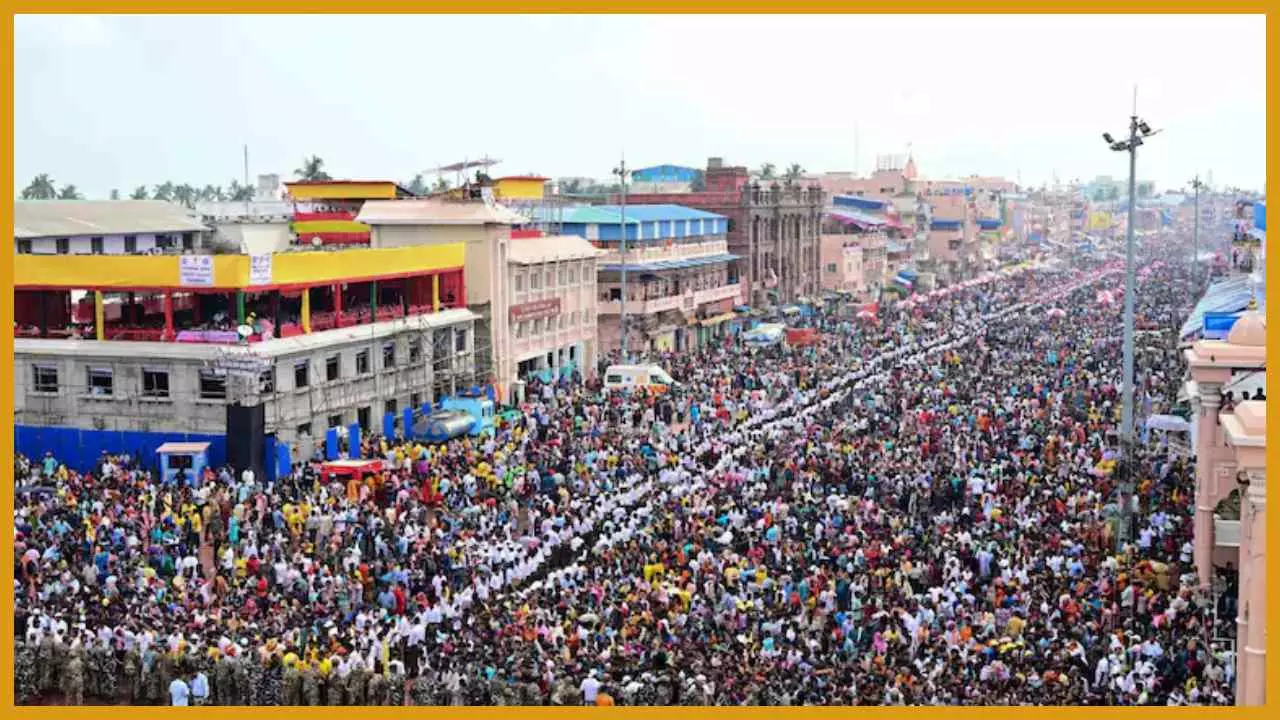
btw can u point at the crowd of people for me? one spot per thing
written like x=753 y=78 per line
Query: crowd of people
x=921 y=509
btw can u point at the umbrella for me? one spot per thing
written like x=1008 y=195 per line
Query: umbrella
x=1057 y=313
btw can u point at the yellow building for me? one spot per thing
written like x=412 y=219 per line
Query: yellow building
x=520 y=187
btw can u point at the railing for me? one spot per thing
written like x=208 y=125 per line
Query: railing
x=686 y=300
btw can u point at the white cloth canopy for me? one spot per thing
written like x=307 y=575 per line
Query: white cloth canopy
x=1169 y=423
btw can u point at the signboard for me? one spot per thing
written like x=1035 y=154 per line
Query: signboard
x=536 y=310
x=195 y=270
x=259 y=269
x=242 y=363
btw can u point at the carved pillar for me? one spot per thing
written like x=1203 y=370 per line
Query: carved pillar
x=1251 y=660
x=1206 y=419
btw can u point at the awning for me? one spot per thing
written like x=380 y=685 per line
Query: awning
x=1229 y=296
x=851 y=216
x=717 y=319
x=1168 y=423
x=855 y=201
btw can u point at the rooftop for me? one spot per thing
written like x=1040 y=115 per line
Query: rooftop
x=77 y=218
x=437 y=211
x=530 y=251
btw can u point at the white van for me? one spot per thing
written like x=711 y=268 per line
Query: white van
x=632 y=377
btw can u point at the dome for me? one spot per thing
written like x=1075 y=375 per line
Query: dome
x=1250 y=329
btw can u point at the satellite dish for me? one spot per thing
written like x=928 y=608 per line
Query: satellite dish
x=244 y=331
x=316 y=241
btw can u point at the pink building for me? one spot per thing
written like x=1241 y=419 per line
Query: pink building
x=553 y=312
x=1230 y=449
x=842 y=269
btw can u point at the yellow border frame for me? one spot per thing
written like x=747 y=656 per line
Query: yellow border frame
x=612 y=7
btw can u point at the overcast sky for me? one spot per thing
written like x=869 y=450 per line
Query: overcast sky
x=116 y=101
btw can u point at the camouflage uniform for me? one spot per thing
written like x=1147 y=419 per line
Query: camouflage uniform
x=564 y=692
x=73 y=678
x=222 y=690
x=334 y=686
x=310 y=686
x=47 y=664
x=395 y=689
x=164 y=675
x=376 y=691
x=530 y=694
x=356 y=683
x=109 y=689
x=243 y=694
x=150 y=678
x=129 y=678
x=420 y=691
x=26 y=685
x=257 y=681
x=291 y=690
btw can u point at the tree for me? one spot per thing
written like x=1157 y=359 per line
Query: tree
x=186 y=195
x=441 y=184
x=418 y=186
x=571 y=187
x=768 y=171
x=312 y=169
x=139 y=193
x=163 y=192
x=239 y=193
x=69 y=192
x=793 y=174
x=41 y=188
x=115 y=194
x=212 y=192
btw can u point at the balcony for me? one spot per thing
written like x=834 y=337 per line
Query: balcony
x=686 y=301
x=1226 y=533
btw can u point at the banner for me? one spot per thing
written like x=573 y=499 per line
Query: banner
x=195 y=270
x=259 y=270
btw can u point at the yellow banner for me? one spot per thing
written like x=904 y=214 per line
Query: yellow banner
x=308 y=227
x=342 y=191
x=231 y=272
x=1099 y=221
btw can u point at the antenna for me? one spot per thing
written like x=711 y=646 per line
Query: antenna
x=247 y=196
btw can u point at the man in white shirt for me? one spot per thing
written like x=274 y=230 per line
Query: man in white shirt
x=199 y=689
x=179 y=692
x=590 y=688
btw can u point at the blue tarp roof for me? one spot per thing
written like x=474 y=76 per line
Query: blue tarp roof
x=990 y=223
x=611 y=214
x=661 y=265
x=856 y=201
x=1229 y=296
x=855 y=216
x=945 y=225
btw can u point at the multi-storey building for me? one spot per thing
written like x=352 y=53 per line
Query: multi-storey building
x=130 y=348
x=773 y=230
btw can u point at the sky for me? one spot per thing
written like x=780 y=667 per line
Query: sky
x=118 y=101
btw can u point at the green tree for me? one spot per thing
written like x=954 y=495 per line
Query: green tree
x=69 y=192
x=793 y=174
x=115 y=194
x=186 y=195
x=441 y=184
x=312 y=169
x=418 y=186
x=163 y=192
x=41 y=188
x=239 y=193
x=699 y=181
x=139 y=193
x=768 y=171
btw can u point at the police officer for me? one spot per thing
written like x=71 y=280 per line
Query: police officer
x=395 y=684
x=129 y=677
x=291 y=681
x=310 y=685
x=357 y=681
x=222 y=682
x=73 y=677
x=376 y=690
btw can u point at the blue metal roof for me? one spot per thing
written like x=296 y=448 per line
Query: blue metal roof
x=661 y=173
x=1229 y=296
x=945 y=225
x=858 y=201
x=679 y=264
x=854 y=216
x=990 y=223
x=650 y=213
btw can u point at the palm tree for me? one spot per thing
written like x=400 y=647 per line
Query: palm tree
x=139 y=193
x=115 y=194
x=793 y=173
x=163 y=192
x=69 y=192
x=418 y=186
x=441 y=185
x=41 y=188
x=768 y=171
x=239 y=193
x=186 y=195
x=312 y=169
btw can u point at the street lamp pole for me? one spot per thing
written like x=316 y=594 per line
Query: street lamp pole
x=621 y=172
x=1195 y=233
x=1138 y=130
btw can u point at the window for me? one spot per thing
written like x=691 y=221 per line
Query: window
x=213 y=385
x=24 y=247
x=155 y=383
x=460 y=341
x=391 y=405
x=301 y=374
x=331 y=367
x=550 y=279
x=389 y=355
x=831 y=267
x=519 y=282
x=732 y=225
x=615 y=294
x=362 y=417
x=614 y=379
x=335 y=421
x=303 y=430
x=415 y=350
x=189 y=243
x=100 y=381
x=267 y=381
x=362 y=362
x=535 y=280
x=164 y=242
x=45 y=378
x=573 y=275
x=561 y=321
x=415 y=400
x=520 y=330
x=562 y=275
x=131 y=243
x=63 y=245
x=537 y=327
x=95 y=245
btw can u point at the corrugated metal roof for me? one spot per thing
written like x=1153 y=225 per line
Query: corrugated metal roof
x=435 y=211
x=529 y=251
x=78 y=218
x=612 y=214
x=856 y=217
x=680 y=264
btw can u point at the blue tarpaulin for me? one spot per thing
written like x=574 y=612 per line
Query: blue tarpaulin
x=353 y=441
x=80 y=449
x=389 y=425
x=1229 y=296
x=331 y=444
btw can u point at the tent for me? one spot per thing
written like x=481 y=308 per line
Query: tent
x=1168 y=423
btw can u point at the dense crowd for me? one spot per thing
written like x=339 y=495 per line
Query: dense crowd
x=916 y=510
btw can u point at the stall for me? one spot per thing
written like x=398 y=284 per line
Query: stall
x=183 y=459
x=346 y=469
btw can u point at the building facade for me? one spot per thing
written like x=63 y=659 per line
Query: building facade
x=554 y=308
x=773 y=230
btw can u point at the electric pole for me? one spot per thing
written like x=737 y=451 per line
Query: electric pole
x=1195 y=234
x=621 y=172
x=1138 y=131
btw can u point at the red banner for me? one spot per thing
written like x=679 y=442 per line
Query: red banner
x=536 y=309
